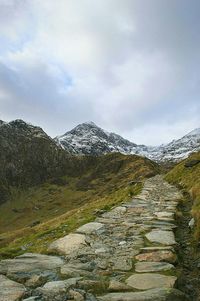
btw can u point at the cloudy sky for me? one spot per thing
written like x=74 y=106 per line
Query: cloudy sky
x=131 y=66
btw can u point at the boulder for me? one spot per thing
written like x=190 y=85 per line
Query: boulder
x=89 y=228
x=10 y=290
x=68 y=244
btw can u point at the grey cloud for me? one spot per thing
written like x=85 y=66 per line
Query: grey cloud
x=127 y=65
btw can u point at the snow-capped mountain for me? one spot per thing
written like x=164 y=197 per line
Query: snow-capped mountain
x=89 y=139
x=181 y=148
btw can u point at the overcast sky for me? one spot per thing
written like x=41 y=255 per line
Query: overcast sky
x=130 y=66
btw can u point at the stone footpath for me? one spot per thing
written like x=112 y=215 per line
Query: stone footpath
x=126 y=254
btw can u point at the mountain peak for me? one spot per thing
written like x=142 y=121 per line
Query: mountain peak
x=89 y=123
x=195 y=132
x=89 y=139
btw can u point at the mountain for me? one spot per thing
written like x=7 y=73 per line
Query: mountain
x=181 y=148
x=89 y=139
x=28 y=156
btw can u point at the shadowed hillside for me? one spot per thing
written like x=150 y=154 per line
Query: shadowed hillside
x=97 y=183
x=28 y=157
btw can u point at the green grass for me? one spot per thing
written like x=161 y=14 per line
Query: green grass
x=189 y=179
x=59 y=209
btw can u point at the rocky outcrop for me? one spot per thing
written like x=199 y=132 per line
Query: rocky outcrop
x=123 y=255
x=28 y=157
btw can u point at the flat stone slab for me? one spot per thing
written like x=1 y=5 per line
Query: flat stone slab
x=165 y=214
x=36 y=298
x=10 y=290
x=167 y=256
x=152 y=249
x=150 y=280
x=116 y=212
x=30 y=263
x=162 y=237
x=71 y=272
x=158 y=294
x=145 y=267
x=89 y=228
x=68 y=244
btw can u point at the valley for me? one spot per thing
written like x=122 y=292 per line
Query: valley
x=135 y=197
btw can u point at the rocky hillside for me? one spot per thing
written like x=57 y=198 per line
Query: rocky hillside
x=89 y=139
x=28 y=156
x=181 y=148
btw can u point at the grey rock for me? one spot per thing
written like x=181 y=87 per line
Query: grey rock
x=68 y=244
x=89 y=228
x=36 y=298
x=35 y=281
x=162 y=237
x=56 y=290
x=164 y=214
x=93 y=285
x=76 y=295
x=117 y=286
x=10 y=290
x=145 y=267
x=160 y=294
x=24 y=266
x=122 y=264
x=150 y=280
x=191 y=223
x=70 y=272
x=156 y=248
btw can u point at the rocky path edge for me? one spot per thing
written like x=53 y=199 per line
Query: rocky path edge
x=126 y=254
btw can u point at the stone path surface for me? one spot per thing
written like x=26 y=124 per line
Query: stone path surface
x=126 y=254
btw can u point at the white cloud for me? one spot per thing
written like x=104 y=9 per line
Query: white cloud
x=127 y=65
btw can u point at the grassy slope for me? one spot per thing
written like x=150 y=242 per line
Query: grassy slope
x=60 y=208
x=189 y=178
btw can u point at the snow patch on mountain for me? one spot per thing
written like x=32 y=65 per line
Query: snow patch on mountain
x=89 y=139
